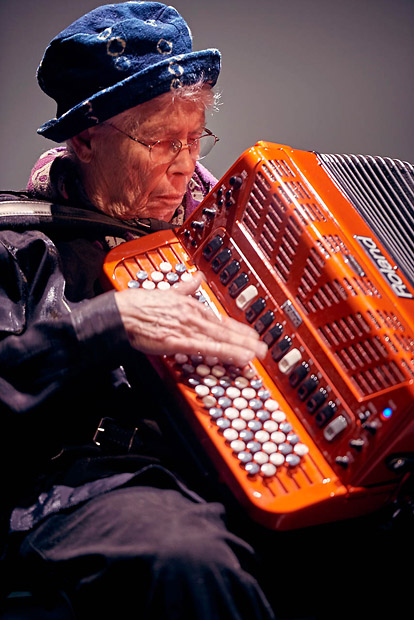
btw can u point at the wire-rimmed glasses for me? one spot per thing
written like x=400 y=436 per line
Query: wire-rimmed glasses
x=165 y=151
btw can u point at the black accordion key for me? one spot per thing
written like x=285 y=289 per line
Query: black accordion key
x=273 y=334
x=212 y=247
x=281 y=348
x=297 y=375
x=263 y=323
x=255 y=309
x=316 y=400
x=220 y=260
x=229 y=272
x=325 y=414
x=238 y=284
x=307 y=387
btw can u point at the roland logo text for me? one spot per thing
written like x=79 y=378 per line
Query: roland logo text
x=384 y=267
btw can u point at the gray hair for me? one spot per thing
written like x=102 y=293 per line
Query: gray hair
x=200 y=94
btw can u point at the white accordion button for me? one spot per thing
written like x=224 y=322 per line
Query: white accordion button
x=246 y=296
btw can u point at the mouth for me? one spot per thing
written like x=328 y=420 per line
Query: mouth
x=171 y=199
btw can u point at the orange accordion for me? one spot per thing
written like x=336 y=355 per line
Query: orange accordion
x=316 y=252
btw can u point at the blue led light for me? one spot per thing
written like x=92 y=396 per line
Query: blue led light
x=387 y=413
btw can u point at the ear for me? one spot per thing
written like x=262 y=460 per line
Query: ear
x=82 y=145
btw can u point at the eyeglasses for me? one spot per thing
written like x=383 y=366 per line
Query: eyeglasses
x=165 y=151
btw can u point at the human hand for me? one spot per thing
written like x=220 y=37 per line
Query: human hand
x=167 y=322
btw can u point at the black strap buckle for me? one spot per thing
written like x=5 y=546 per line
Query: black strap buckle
x=110 y=436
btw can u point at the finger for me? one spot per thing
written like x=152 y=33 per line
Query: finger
x=201 y=327
x=189 y=287
x=223 y=328
x=240 y=328
x=226 y=352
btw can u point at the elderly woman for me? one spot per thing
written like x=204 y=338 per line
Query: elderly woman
x=113 y=525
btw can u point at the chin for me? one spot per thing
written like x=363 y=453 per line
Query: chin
x=159 y=211
x=127 y=209
x=123 y=211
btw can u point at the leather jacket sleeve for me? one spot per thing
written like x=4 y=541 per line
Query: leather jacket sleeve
x=46 y=341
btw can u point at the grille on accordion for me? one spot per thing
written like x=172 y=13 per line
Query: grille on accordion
x=316 y=253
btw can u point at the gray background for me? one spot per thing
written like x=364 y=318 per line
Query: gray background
x=325 y=75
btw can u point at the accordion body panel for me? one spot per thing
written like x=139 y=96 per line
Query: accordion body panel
x=325 y=262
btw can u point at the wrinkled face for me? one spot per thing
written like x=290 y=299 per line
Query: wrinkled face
x=127 y=182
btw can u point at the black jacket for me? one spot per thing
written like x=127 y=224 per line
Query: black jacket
x=65 y=362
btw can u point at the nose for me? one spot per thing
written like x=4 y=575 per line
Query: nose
x=183 y=163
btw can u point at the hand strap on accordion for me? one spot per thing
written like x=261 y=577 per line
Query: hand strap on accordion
x=18 y=211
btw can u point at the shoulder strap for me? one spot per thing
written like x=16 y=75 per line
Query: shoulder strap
x=19 y=211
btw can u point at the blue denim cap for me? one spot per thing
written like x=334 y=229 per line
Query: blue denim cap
x=116 y=57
